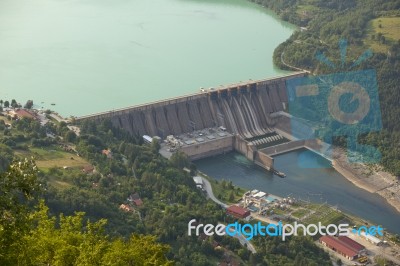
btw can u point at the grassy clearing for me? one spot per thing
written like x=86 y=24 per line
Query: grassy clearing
x=326 y=216
x=299 y=213
x=279 y=211
x=389 y=27
x=58 y=184
x=52 y=157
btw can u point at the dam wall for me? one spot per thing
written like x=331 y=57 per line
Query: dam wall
x=243 y=147
x=283 y=148
x=243 y=109
x=264 y=160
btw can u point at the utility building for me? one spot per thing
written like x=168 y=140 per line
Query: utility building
x=344 y=246
x=238 y=212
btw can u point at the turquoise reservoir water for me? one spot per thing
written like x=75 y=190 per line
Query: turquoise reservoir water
x=317 y=185
x=96 y=55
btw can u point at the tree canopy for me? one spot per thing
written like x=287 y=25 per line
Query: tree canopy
x=34 y=237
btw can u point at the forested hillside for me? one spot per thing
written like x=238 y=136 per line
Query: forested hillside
x=76 y=175
x=365 y=24
x=29 y=236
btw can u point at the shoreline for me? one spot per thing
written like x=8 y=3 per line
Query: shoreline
x=387 y=187
x=370 y=178
x=381 y=183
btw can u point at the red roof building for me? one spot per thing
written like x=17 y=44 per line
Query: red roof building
x=24 y=113
x=138 y=202
x=88 y=169
x=350 y=242
x=340 y=247
x=125 y=208
x=237 y=211
x=107 y=153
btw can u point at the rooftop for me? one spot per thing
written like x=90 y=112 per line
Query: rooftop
x=371 y=238
x=259 y=194
x=353 y=244
x=237 y=209
x=202 y=136
x=24 y=113
x=339 y=246
x=198 y=180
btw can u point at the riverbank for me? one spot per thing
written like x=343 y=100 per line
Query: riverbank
x=368 y=178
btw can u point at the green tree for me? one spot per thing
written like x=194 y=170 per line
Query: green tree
x=30 y=237
x=6 y=155
x=155 y=145
x=75 y=242
x=14 y=103
x=18 y=187
x=29 y=104
x=6 y=104
x=70 y=136
x=179 y=160
x=231 y=196
x=138 y=250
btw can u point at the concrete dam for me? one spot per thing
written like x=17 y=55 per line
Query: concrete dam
x=243 y=111
x=242 y=108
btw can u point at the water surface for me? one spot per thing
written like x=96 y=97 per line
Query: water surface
x=317 y=185
x=96 y=55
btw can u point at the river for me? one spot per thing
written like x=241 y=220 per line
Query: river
x=89 y=56
x=317 y=185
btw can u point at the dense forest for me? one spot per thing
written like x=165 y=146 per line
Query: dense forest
x=361 y=23
x=29 y=236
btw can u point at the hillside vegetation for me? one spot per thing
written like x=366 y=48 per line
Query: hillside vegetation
x=168 y=194
x=324 y=23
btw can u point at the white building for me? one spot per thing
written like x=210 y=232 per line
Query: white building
x=147 y=139
x=373 y=239
x=198 y=180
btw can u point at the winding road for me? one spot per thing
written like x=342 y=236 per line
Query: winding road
x=293 y=67
x=208 y=189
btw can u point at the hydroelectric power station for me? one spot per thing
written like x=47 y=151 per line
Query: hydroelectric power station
x=247 y=117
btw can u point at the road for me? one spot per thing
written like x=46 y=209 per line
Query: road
x=244 y=242
x=389 y=252
x=42 y=118
x=264 y=219
x=58 y=117
x=293 y=67
x=207 y=187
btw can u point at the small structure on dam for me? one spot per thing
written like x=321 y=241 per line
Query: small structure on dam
x=239 y=117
